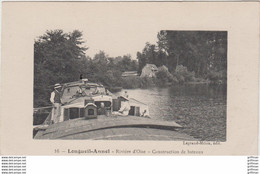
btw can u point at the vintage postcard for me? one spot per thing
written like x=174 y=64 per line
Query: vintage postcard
x=129 y=78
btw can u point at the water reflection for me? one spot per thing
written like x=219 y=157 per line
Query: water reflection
x=201 y=90
x=200 y=108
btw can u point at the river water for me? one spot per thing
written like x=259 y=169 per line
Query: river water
x=200 y=108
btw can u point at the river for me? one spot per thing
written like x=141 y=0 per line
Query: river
x=200 y=108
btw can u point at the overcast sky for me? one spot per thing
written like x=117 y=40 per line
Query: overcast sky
x=115 y=43
x=117 y=29
x=119 y=43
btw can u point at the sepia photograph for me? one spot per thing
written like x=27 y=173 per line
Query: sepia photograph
x=172 y=89
x=129 y=78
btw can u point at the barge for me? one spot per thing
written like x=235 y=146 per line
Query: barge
x=90 y=111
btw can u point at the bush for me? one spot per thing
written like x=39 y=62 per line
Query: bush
x=183 y=75
x=173 y=79
x=131 y=82
x=147 y=82
x=218 y=77
x=164 y=77
x=111 y=78
x=138 y=82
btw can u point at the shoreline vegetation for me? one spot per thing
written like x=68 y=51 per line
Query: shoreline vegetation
x=164 y=78
x=182 y=57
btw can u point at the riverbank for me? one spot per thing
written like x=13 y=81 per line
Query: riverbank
x=149 y=82
x=163 y=78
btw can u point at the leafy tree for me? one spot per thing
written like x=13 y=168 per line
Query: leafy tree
x=151 y=54
x=57 y=58
x=142 y=61
x=199 y=51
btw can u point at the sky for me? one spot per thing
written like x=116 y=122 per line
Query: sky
x=117 y=30
x=122 y=42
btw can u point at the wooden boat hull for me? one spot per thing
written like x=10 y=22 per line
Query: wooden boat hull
x=114 y=128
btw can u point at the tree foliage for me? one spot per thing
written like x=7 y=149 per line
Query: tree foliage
x=60 y=57
x=56 y=60
x=200 y=51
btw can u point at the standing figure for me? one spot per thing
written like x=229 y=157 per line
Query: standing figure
x=56 y=102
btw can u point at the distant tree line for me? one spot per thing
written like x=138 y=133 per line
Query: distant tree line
x=60 y=57
x=201 y=52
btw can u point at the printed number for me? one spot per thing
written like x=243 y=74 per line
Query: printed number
x=56 y=151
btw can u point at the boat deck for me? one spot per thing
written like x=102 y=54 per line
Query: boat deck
x=114 y=128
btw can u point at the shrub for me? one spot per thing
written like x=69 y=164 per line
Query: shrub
x=138 y=82
x=218 y=77
x=183 y=75
x=173 y=79
x=147 y=82
x=111 y=78
x=164 y=77
x=131 y=82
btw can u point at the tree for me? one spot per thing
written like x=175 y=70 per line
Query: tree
x=199 y=51
x=57 y=59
